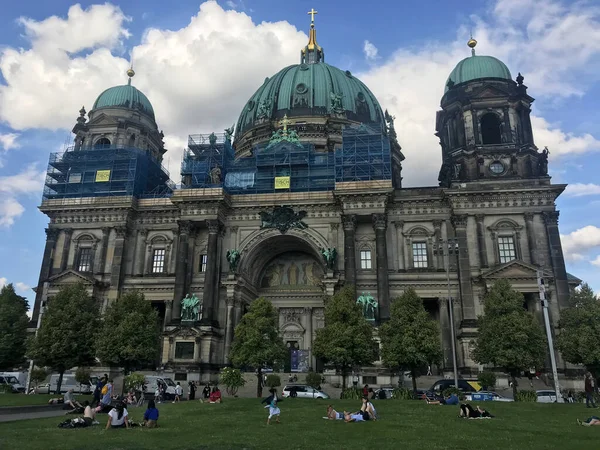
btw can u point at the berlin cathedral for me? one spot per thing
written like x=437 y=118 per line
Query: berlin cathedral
x=301 y=197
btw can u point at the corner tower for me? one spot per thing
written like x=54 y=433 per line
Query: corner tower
x=484 y=125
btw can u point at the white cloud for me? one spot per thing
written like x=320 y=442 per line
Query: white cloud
x=582 y=189
x=29 y=181
x=10 y=209
x=9 y=141
x=560 y=143
x=370 y=51
x=596 y=261
x=22 y=287
x=578 y=241
x=3 y=282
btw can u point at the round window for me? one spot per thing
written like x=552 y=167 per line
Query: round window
x=250 y=105
x=301 y=88
x=496 y=167
x=361 y=97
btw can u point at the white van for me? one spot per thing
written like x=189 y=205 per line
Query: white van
x=69 y=382
x=8 y=379
x=152 y=383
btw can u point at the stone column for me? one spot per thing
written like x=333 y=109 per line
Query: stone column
x=531 y=242
x=180 y=288
x=140 y=253
x=475 y=127
x=229 y=327
x=309 y=334
x=557 y=259
x=51 y=237
x=190 y=257
x=237 y=313
x=209 y=317
x=168 y=312
x=383 y=288
x=350 y=249
x=467 y=301
x=400 y=237
x=446 y=333
x=481 y=247
x=437 y=235
x=506 y=126
x=104 y=250
x=68 y=232
x=116 y=270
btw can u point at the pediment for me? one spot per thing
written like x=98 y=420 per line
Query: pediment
x=489 y=91
x=184 y=332
x=71 y=277
x=515 y=270
x=103 y=119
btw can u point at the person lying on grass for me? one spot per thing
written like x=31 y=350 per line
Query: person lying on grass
x=589 y=421
x=468 y=412
x=332 y=414
x=452 y=399
x=358 y=416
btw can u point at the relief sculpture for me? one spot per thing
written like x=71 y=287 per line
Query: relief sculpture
x=292 y=269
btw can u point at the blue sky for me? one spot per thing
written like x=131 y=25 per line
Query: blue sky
x=199 y=62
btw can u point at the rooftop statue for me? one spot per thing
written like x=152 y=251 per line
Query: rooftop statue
x=336 y=102
x=369 y=306
x=191 y=309
x=229 y=133
x=212 y=139
x=330 y=257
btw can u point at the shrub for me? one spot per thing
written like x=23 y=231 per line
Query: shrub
x=5 y=389
x=233 y=379
x=526 y=396
x=38 y=376
x=452 y=390
x=82 y=376
x=134 y=381
x=402 y=393
x=580 y=397
x=351 y=394
x=273 y=381
x=313 y=379
x=487 y=380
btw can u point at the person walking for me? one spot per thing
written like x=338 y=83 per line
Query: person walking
x=589 y=390
x=192 y=390
x=429 y=370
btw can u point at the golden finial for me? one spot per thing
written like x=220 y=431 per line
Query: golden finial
x=284 y=123
x=312 y=13
x=471 y=44
x=130 y=71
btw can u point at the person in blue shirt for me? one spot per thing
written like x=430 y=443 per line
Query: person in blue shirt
x=151 y=415
x=452 y=399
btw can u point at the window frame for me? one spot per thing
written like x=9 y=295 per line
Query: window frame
x=504 y=228
x=420 y=245
x=87 y=251
x=502 y=251
x=179 y=357
x=158 y=263
x=367 y=260
x=202 y=263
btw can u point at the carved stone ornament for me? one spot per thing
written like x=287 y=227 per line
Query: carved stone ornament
x=185 y=226
x=349 y=222
x=551 y=217
x=291 y=314
x=460 y=221
x=213 y=226
x=379 y=221
x=283 y=218
x=52 y=233
x=121 y=232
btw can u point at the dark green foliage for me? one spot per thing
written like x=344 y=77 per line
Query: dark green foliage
x=13 y=328
x=487 y=380
x=82 y=375
x=232 y=379
x=452 y=390
x=580 y=330
x=526 y=396
x=347 y=338
x=403 y=393
x=5 y=389
x=134 y=381
x=67 y=332
x=509 y=337
x=411 y=338
x=273 y=381
x=130 y=334
x=38 y=376
x=256 y=341
x=351 y=394
x=313 y=379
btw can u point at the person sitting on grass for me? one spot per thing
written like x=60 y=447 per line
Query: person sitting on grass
x=70 y=402
x=151 y=415
x=332 y=414
x=451 y=399
x=117 y=417
x=468 y=412
x=594 y=420
x=89 y=414
x=368 y=407
x=215 y=396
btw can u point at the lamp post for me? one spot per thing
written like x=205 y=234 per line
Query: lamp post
x=446 y=248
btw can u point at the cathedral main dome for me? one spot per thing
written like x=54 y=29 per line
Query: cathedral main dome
x=125 y=96
x=316 y=89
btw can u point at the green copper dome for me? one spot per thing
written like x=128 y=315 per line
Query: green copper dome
x=315 y=89
x=125 y=96
x=476 y=67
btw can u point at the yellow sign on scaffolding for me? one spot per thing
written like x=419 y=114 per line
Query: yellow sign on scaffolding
x=102 y=176
x=282 y=182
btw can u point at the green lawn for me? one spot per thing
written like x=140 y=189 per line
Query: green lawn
x=35 y=399
x=240 y=423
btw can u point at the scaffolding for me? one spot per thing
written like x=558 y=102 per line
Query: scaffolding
x=209 y=162
x=103 y=172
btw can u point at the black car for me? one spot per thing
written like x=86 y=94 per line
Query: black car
x=464 y=386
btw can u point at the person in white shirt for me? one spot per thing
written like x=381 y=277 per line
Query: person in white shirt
x=178 y=392
x=117 y=417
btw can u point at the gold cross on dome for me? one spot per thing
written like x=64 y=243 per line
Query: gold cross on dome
x=284 y=123
x=312 y=13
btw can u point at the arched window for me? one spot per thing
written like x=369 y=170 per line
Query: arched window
x=491 y=129
x=102 y=143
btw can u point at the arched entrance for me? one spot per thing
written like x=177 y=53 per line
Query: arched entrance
x=288 y=270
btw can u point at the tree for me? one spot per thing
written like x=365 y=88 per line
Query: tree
x=130 y=333
x=37 y=376
x=347 y=338
x=82 y=375
x=256 y=342
x=232 y=379
x=509 y=337
x=67 y=331
x=580 y=330
x=13 y=328
x=411 y=338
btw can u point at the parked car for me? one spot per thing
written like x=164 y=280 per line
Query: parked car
x=69 y=382
x=483 y=396
x=545 y=396
x=152 y=383
x=13 y=382
x=464 y=386
x=303 y=391
x=384 y=393
x=43 y=389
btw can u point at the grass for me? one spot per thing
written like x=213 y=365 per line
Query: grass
x=34 y=399
x=241 y=424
